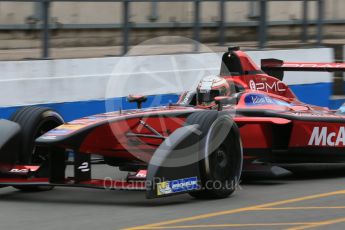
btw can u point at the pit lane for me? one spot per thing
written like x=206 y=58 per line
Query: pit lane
x=310 y=200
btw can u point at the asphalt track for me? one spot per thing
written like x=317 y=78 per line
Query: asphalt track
x=310 y=200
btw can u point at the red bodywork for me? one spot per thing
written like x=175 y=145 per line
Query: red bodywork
x=268 y=113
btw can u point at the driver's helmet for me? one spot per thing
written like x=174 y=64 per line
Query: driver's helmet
x=211 y=87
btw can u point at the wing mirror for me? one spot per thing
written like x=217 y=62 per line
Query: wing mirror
x=224 y=100
x=139 y=99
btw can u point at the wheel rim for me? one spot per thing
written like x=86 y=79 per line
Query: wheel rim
x=219 y=162
x=221 y=166
x=221 y=157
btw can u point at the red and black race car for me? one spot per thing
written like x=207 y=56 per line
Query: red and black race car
x=246 y=116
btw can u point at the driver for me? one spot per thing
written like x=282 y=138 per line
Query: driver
x=209 y=88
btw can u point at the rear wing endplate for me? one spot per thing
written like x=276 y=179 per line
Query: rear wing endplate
x=276 y=67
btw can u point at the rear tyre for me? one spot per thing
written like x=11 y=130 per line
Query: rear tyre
x=34 y=122
x=221 y=166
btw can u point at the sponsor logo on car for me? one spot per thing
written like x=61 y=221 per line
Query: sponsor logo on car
x=72 y=126
x=315 y=114
x=321 y=136
x=276 y=86
x=46 y=137
x=19 y=170
x=63 y=130
x=141 y=174
x=257 y=99
x=58 y=132
x=315 y=65
x=175 y=186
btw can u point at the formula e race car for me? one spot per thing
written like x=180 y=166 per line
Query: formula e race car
x=245 y=116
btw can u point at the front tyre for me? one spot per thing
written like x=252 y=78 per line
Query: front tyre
x=221 y=163
x=34 y=122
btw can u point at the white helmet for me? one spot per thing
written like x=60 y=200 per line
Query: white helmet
x=211 y=87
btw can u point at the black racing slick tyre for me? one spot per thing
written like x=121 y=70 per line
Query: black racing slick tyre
x=222 y=157
x=34 y=122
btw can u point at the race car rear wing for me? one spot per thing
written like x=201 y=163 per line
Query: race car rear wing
x=276 y=67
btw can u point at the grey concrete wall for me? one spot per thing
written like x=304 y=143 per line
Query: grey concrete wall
x=14 y=13
x=113 y=37
x=76 y=12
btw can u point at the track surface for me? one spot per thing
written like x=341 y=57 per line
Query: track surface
x=313 y=200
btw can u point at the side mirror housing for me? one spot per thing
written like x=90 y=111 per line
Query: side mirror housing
x=224 y=100
x=139 y=99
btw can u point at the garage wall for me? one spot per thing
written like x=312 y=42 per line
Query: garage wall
x=111 y=12
x=79 y=87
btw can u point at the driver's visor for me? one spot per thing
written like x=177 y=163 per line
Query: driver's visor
x=207 y=96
